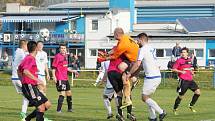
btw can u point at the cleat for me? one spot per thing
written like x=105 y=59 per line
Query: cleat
x=22 y=116
x=46 y=119
x=150 y=119
x=175 y=112
x=59 y=111
x=110 y=116
x=191 y=108
x=69 y=110
x=162 y=116
x=119 y=117
x=131 y=117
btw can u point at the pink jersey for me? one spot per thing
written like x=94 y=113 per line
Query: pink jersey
x=113 y=66
x=60 y=64
x=184 y=65
x=28 y=63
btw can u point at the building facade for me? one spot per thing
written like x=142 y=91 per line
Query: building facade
x=87 y=26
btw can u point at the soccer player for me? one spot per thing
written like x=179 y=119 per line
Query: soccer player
x=152 y=76
x=183 y=66
x=20 y=54
x=101 y=72
x=42 y=65
x=109 y=92
x=122 y=56
x=60 y=76
x=27 y=71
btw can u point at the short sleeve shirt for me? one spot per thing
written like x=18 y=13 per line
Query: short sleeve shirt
x=184 y=64
x=42 y=60
x=29 y=63
x=60 y=63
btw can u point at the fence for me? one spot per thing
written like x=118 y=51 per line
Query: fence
x=204 y=78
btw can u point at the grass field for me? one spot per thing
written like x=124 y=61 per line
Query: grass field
x=88 y=105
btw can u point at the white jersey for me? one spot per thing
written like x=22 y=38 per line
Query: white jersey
x=147 y=55
x=41 y=60
x=105 y=66
x=19 y=56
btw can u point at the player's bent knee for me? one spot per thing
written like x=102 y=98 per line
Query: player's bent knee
x=48 y=104
x=197 y=92
x=68 y=93
x=145 y=97
x=123 y=66
x=41 y=108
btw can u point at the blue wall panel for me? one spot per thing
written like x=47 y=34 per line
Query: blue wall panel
x=210 y=44
x=171 y=13
x=80 y=25
x=61 y=26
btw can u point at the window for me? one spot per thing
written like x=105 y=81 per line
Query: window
x=94 y=24
x=168 y=52
x=93 y=52
x=159 y=52
x=72 y=25
x=211 y=52
x=199 y=52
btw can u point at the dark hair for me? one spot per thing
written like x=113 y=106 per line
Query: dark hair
x=185 y=48
x=32 y=45
x=22 y=42
x=62 y=44
x=143 y=35
x=39 y=42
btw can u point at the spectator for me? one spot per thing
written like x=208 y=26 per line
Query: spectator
x=170 y=66
x=194 y=61
x=4 y=60
x=176 y=50
x=171 y=63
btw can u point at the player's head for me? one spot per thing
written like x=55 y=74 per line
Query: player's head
x=23 y=44
x=32 y=46
x=184 y=52
x=118 y=32
x=62 y=48
x=39 y=45
x=142 y=39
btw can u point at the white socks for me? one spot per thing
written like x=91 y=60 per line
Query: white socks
x=24 y=105
x=154 y=105
x=107 y=105
x=152 y=113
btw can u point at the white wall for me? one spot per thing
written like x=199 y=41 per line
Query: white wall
x=166 y=44
x=95 y=39
x=121 y=18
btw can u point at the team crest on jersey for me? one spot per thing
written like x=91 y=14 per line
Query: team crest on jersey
x=38 y=98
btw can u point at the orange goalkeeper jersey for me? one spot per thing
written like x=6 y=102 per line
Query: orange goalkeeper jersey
x=126 y=46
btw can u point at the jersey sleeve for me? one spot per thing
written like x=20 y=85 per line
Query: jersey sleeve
x=140 y=54
x=27 y=64
x=55 y=62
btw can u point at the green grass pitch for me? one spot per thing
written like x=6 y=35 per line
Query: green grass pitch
x=88 y=105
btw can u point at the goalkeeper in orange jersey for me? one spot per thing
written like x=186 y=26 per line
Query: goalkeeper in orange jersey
x=128 y=48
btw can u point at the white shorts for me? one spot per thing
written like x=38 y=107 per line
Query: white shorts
x=18 y=85
x=150 y=85
x=109 y=92
x=43 y=79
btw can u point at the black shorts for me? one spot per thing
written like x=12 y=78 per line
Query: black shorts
x=62 y=85
x=184 y=85
x=34 y=96
x=115 y=79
